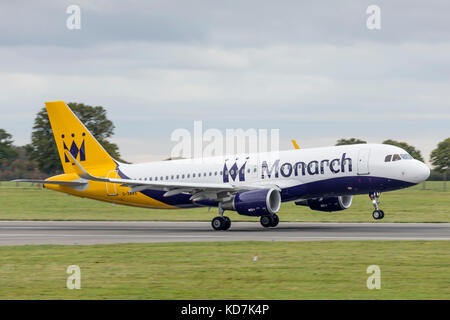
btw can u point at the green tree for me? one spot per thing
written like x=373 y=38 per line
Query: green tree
x=440 y=158
x=20 y=168
x=43 y=147
x=7 y=150
x=408 y=148
x=344 y=141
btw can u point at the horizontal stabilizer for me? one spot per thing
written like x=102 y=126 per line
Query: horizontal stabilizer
x=64 y=183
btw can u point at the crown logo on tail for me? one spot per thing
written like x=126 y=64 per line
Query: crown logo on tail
x=74 y=149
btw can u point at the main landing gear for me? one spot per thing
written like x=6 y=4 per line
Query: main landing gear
x=224 y=223
x=221 y=222
x=269 y=221
x=375 y=197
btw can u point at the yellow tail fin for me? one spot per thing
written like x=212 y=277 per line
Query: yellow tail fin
x=70 y=134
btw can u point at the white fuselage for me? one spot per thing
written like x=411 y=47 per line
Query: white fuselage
x=299 y=174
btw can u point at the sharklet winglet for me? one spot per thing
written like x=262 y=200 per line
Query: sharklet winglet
x=295 y=144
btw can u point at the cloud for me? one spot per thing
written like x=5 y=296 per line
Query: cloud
x=311 y=69
x=226 y=23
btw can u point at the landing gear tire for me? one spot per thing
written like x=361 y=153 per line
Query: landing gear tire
x=266 y=221
x=275 y=220
x=227 y=223
x=378 y=214
x=221 y=223
x=269 y=221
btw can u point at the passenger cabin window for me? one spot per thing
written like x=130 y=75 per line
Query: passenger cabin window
x=388 y=158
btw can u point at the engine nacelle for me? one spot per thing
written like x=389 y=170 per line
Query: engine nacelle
x=328 y=204
x=255 y=202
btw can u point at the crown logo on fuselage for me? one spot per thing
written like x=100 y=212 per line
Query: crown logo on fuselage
x=234 y=171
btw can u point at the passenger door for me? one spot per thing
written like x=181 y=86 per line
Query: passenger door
x=363 y=161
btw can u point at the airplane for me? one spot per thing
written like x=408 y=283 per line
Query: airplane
x=254 y=184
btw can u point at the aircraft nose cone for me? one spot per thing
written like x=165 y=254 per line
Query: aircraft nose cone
x=421 y=172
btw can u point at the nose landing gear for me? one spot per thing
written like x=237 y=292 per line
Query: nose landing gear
x=375 y=197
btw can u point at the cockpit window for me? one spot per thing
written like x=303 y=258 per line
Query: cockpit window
x=406 y=156
x=397 y=157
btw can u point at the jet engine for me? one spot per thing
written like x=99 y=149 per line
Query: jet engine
x=255 y=202
x=327 y=204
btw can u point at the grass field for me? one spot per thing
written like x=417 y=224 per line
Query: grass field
x=27 y=202
x=284 y=270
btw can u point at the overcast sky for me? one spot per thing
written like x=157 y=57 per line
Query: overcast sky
x=309 y=68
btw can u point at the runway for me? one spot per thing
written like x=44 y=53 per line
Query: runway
x=95 y=232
